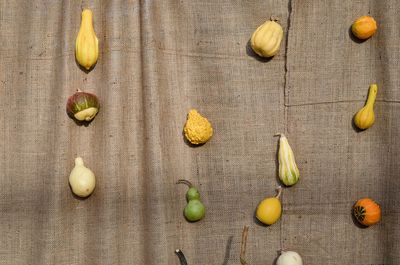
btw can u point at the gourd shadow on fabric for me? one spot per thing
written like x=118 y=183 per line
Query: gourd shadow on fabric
x=79 y=123
x=258 y=222
x=353 y=124
x=78 y=197
x=188 y=143
x=354 y=38
x=226 y=257
x=83 y=68
x=251 y=53
x=227 y=250
x=353 y=218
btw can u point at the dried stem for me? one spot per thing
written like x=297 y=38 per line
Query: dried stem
x=279 y=189
x=184 y=181
x=274 y=18
x=181 y=257
x=243 y=245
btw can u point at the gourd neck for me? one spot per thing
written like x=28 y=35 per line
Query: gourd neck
x=87 y=19
x=281 y=136
x=79 y=161
x=373 y=90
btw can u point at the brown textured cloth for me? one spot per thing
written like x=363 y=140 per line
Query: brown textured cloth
x=160 y=58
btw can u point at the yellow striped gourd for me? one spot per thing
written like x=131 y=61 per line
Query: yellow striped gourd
x=288 y=171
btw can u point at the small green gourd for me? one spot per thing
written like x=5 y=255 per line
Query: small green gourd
x=365 y=117
x=194 y=210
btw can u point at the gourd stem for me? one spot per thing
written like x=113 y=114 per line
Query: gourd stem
x=279 y=189
x=273 y=18
x=181 y=257
x=243 y=245
x=79 y=161
x=184 y=181
x=373 y=90
x=281 y=135
x=78 y=90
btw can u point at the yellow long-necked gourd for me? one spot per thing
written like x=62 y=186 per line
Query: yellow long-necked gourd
x=87 y=44
x=365 y=117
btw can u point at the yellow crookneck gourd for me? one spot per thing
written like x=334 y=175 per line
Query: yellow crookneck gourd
x=266 y=39
x=288 y=172
x=87 y=44
x=365 y=117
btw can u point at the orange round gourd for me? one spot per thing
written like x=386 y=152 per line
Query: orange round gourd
x=367 y=212
x=364 y=27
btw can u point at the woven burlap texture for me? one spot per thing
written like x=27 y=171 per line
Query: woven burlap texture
x=158 y=59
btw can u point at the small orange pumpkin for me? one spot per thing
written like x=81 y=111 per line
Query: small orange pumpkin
x=364 y=27
x=367 y=212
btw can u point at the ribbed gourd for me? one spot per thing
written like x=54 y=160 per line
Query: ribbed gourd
x=288 y=172
x=365 y=117
x=266 y=39
x=367 y=212
x=87 y=44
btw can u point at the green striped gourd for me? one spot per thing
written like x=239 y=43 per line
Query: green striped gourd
x=288 y=171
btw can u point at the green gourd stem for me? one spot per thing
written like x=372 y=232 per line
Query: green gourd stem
x=186 y=182
x=373 y=90
x=279 y=189
x=181 y=257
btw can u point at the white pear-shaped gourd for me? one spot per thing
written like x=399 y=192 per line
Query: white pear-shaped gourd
x=81 y=179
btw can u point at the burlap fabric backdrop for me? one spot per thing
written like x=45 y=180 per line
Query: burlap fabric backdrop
x=158 y=59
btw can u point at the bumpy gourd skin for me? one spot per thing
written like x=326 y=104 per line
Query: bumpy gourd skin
x=197 y=129
x=87 y=44
x=266 y=39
